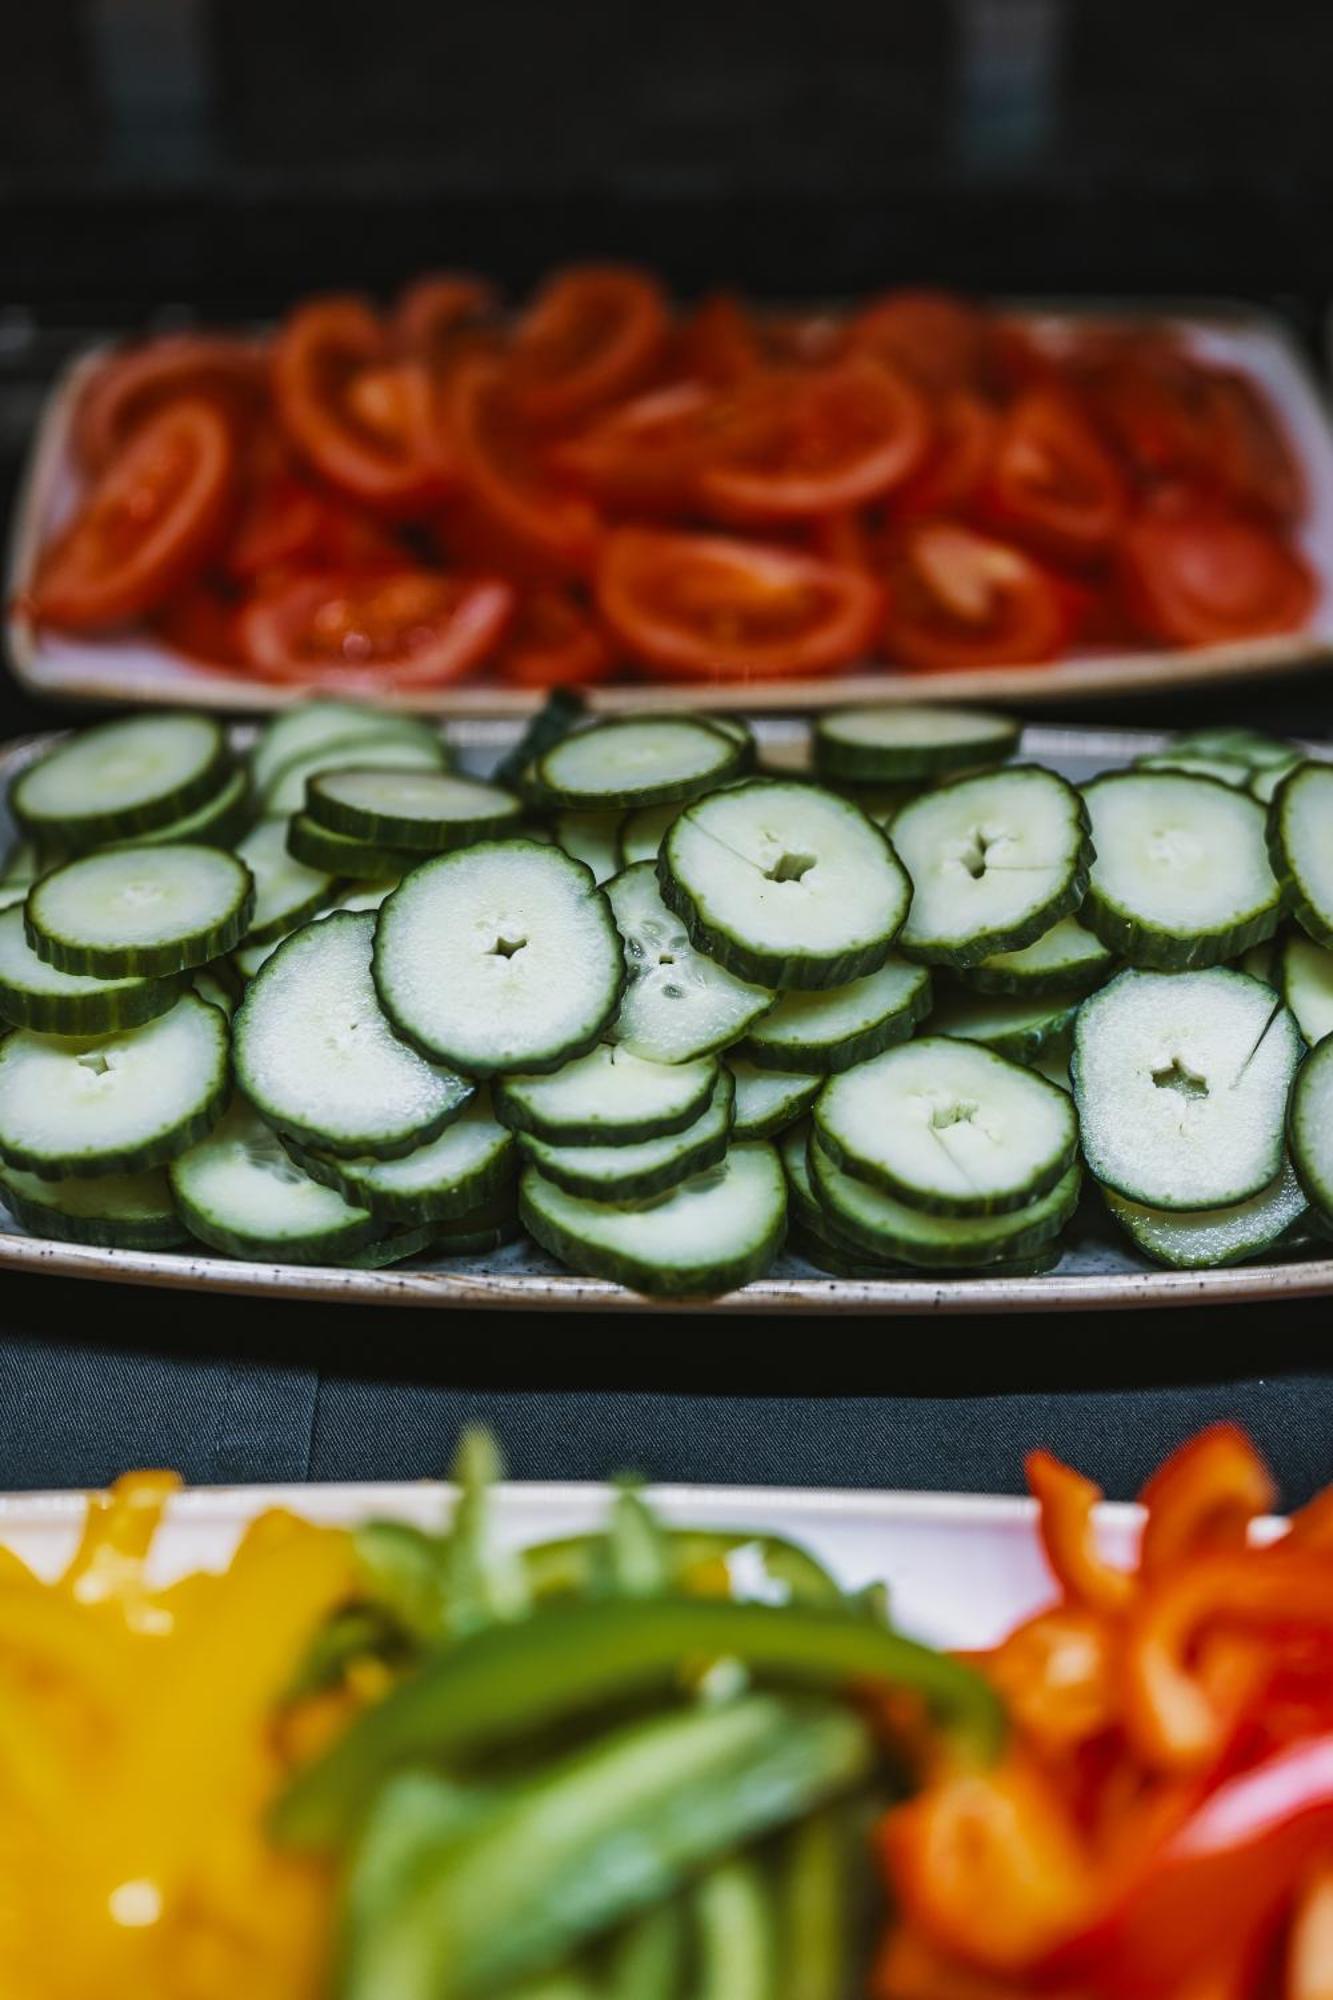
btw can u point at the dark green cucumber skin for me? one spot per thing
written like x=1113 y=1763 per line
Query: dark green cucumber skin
x=697 y=1159
x=79 y=833
x=845 y=762
x=231 y=815
x=1066 y=902
x=415 y=836
x=1291 y=1234
x=831 y=1058
x=766 y=968
x=677 y=792
x=837 y=1263
x=394 y=1249
x=1294 y=900
x=88 y=1013
x=157 y=961
x=334 y=854
x=1081 y=979
x=1318 y=1193
x=779 y=1120
x=478 y=1242
x=704 y=1281
x=165 y=1233
x=1051 y=1035
x=291 y=920
x=447 y=1202
x=328 y=1249
x=512 y=1111
x=1023 y=1244
x=562 y=709
x=1147 y=950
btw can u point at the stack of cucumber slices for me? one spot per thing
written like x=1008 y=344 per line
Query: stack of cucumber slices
x=337 y=1001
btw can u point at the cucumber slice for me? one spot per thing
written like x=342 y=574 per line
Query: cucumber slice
x=239 y=1191
x=313 y=725
x=1264 y=784
x=503 y=956
x=838 y=1262
x=1304 y=979
x=36 y=995
x=1212 y=1236
x=633 y=1172
x=215 y=991
x=804 y=1204
x=335 y=854
x=1247 y=746
x=13 y=894
x=1065 y=959
x=994 y=860
x=250 y=957
x=487 y=1227
x=287 y=893
x=785 y=884
x=1193 y=764
x=1008 y=1023
x=315 y=1055
x=395 y=1249
x=562 y=710
x=21 y=864
x=1181 y=877
x=1182 y=1085
x=882 y=803
x=637 y=761
x=1300 y=846
x=708 y=1235
x=116 y=1211
x=642 y=832
x=829 y=1031
x=426 y=811
x=285 y=790
x=469 y=1164
x=369 y=895
x=739 y=731
x=592 y=838
x=118 y=1104
x=948 y=1127
x=768 y=1100
x=221 y=819
x=609 y=1096
x=1260 y=961
x=1053 y=1064
x=1310 y=1128
x=876 y=1222
x=892 y=745
x=142 y=911
x=120 y=778
x=677 y=1004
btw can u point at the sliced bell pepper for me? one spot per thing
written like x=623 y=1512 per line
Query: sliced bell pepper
x=1204 y=1498
x=1066 y=1501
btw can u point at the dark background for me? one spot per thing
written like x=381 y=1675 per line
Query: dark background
x=164 y=158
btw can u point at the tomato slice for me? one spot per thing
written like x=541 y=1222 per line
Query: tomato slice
x=1195 y=575
x=827 y=440
x=951 y=480
x=1154 y=403
x=935 y=339
x=201 y=622
x=504 y=478
x=593 y=333
x=646 y=455
x=720 y=343
x=361 y=416
x=1255 y=461
x=958 y=598
x=435 y=314
x=135 y=383
x=555 y=642
x=149 y=524
x=1052 y=482
x=704 y=607
x=361 y=634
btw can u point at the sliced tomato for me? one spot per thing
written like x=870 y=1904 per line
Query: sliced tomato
x=1195 y=574
x=287 y=523
x=363 y=417
x=958 y=598
x=202 y=622
x=646 y=455
x=720 y=342
x=555 y=641
x=137 y=381
x=705 y=607
x=149 y=524
x=850 y=538
x=826 y=440
x=505 y=480
x=1253 y=454
x=435 y=314
x=410 y=629
x=593 y=333
x=1153 y=401
x=951 y=480
x=937 y=340
x=1053 y=484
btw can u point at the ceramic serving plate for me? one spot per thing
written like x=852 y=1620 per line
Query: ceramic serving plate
x=1097 y=1271
x=139 y=668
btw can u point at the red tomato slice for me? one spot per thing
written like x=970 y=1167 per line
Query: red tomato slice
x=504 y=478
x=133 y=384
x=591 y=334
x=287 y=523
x=829 y=440
x=962 y=599
x=704 y=607
x=1153 y=401
x=148 y=525
x=1254 y=457
x=966 y=431
x=720 y=343
x=361 y=417
x=646 y=455
x=554 y=642
x=201 y=622
x=433 y=315
x=1195 y=575
x=1052 y=482
x=935 y=339
x=362 y=633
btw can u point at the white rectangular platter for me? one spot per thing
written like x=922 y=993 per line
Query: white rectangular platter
x=139 y=668
x=1097 y=1272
